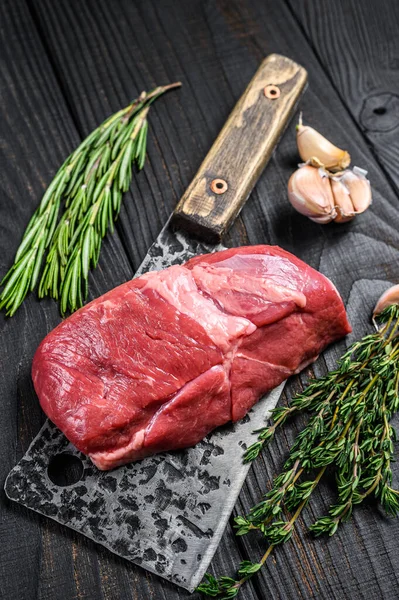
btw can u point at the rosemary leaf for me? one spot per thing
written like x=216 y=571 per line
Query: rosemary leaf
x=88 y=189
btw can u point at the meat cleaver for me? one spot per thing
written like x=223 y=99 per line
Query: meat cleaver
x=168 y=512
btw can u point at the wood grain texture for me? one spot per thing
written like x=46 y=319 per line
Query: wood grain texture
x=66 y=65
x=357 y=44
x=242 y=149
x=37 y=133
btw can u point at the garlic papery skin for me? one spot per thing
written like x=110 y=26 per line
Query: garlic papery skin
x=358 y=187
x=342 y=201
x=318 y=151
x=309 y=191
x=388 y=298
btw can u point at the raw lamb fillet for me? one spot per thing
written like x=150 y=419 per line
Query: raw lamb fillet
x=158 y=362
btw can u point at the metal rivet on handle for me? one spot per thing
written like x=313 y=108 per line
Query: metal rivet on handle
x=219 y=186
x=272 y=91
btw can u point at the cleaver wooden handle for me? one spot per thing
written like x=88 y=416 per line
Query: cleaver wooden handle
x=242 y=149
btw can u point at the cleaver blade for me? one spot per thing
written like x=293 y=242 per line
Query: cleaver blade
x=168 y=512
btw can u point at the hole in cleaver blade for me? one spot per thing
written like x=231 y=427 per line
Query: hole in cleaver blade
x=166 y=513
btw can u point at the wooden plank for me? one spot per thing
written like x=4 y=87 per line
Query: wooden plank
x=37 y=559
x=359 y=51
x=322 y=565
x=104 y=54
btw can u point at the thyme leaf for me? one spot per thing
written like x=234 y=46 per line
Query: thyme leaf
x=348 y=433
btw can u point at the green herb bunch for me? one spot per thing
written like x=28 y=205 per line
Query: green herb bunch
x=348 y=433
x=88 y=190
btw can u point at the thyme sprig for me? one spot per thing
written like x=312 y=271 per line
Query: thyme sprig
x=88 y=188
x=348 y=433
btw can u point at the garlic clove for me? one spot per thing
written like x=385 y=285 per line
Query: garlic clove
x=342 y=201
x=388 y=298
x=358 y=187
x=318 y=151
x=309 y=191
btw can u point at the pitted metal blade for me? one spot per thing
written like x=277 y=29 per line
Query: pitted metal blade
x=173 y=247
x=167 y=512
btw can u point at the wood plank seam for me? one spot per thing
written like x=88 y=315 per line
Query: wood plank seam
x=54 y=68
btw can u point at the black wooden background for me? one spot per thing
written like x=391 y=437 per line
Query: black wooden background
x=65 y=66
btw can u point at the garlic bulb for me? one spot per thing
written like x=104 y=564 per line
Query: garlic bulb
x=316 y=150
x=388 y=298
x=324 y=197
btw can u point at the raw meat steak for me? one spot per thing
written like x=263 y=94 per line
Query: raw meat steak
x=158 y=362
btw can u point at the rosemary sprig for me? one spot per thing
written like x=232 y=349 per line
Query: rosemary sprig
x=348 y=432
x=88 y=187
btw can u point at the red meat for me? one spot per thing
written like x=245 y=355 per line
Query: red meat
x=158 y=362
